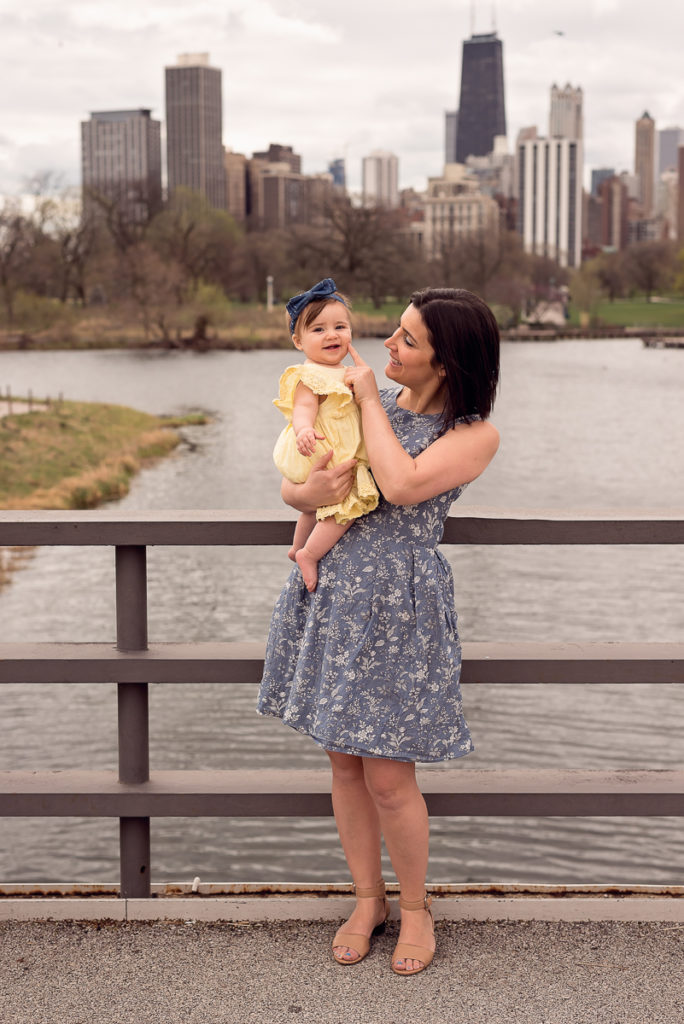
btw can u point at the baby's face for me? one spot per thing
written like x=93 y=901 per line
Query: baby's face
x=326 y=340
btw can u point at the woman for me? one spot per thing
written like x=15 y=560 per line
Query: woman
x=368 y=665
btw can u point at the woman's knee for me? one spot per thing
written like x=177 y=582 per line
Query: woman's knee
x=346 y=768
x=392 y=784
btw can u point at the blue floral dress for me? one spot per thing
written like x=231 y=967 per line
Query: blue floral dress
x=369 y=663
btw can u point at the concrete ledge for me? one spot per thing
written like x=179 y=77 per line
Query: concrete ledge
x=536 y=903
x=18 y=909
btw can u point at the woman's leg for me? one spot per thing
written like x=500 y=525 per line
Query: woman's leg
x=359 y=829
x=404 y=824
x=322 y=538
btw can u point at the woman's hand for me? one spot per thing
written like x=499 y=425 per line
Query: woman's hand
x=323 y=486
x=361 y=379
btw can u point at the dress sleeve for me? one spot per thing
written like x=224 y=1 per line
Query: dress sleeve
x=318 y=381
x=286 y=389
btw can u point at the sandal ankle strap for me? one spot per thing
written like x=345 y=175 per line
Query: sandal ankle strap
x=422 y=904
x=377 y=891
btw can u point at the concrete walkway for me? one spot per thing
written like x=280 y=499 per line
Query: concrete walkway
x=529 y=972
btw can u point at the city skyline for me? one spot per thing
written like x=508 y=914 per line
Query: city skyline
x=313 y=81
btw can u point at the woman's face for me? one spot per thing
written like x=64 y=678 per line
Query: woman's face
x=412 y=357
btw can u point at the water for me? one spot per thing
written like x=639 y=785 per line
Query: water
x=584 y=426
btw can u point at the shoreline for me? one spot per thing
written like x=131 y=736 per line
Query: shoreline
x=268 y=339
x=79 y=455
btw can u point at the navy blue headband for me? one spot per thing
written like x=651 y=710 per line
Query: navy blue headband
x=325 y=289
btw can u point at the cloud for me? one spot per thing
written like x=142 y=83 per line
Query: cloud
x=335 y=79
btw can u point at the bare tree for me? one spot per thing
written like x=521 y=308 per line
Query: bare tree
x=199 y=239
x=16 y=246
x=650 y=266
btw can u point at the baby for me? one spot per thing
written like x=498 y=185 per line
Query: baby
x=322 y=415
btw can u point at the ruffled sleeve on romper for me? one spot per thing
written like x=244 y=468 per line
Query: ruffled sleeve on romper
x=340 y=423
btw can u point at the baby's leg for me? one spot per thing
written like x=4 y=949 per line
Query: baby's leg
x=305 y=524
x=323 y=537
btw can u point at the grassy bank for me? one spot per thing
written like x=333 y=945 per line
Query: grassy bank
x=78 y=455
x=229 y=325
x=636 y=312
x=244 y=326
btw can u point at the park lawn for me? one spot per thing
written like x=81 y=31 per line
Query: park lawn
x=638 y=312
x=78 y=454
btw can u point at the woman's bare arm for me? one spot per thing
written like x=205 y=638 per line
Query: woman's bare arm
x=322 y=487
x=454 y=459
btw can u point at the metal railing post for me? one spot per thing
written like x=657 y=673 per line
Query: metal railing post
x=133 y=714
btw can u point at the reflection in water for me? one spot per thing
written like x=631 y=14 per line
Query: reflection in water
x=579 y=431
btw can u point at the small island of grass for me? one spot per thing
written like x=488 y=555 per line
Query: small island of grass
x=77 y=455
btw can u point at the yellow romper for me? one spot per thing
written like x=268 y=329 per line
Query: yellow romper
x=340 y=422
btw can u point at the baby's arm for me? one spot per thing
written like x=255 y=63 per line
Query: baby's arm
x=304 y=412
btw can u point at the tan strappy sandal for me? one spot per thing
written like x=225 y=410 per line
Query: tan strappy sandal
x=404 y=950
x=361 y=943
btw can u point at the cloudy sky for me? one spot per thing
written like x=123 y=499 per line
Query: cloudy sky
x=332 y=78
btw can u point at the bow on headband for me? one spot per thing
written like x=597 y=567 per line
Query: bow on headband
x=325 y=289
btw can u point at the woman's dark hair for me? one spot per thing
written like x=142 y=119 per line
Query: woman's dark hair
x=465 y=336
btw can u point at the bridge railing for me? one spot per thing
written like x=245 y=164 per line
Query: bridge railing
x=134 y=795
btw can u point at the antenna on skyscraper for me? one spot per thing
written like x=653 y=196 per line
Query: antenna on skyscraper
x=494 y=18
x=472 y=17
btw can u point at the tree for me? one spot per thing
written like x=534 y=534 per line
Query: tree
x=16 y=246
x=151 y=284
x=198 y=238
x=610 y=271
x=477 y=261
x=585 y=291
x=679 y=271
x=650 y=266
x=368 y=250
x=65 y=238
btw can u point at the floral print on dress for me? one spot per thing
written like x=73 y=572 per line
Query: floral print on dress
x=370 y=662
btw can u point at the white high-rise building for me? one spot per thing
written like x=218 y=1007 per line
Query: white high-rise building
x=549 y=178
x=565 y=115
x=380 y=179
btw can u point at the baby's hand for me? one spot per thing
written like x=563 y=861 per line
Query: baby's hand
x=306 y=440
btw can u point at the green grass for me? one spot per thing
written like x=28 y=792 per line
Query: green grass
x=77 y=454
x=636 y=312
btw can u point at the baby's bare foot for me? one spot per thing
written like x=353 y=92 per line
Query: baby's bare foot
x=292 y=554
x=309 y=568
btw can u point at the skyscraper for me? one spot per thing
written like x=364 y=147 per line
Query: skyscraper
x=450 y=133
x=669 y=140
x=550 y=198
x=482 y=111
x=194 y=128
x=644 y=161
x=121 y=162
x=337 y=169
x=279 y=154
x=598 y=175
x=565 y=115
x=380 y=179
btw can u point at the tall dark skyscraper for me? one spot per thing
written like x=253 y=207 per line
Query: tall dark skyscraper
x=482 y=111
x=193 y=128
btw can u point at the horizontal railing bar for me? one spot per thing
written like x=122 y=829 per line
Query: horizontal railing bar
x=504 y=662
x=306 y=793
x=472 y=525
